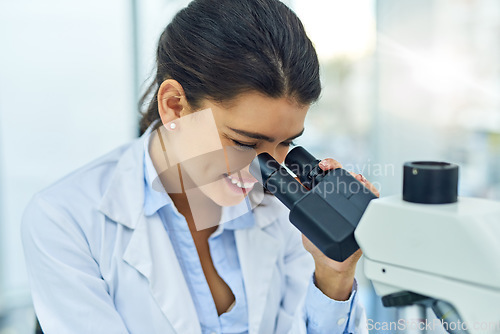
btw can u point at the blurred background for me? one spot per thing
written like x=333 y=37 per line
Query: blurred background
x=403 y=80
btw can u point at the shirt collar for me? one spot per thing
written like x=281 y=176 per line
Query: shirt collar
x=235 y=217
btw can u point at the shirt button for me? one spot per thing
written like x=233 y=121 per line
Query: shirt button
x=340 y=321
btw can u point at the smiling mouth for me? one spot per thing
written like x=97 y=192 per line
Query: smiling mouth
x=243 y=183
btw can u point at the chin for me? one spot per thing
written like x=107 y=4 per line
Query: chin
x=225 y=201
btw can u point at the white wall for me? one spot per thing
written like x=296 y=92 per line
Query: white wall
x=152 y=18
x=66 y=97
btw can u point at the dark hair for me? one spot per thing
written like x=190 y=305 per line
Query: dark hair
x=218 y=49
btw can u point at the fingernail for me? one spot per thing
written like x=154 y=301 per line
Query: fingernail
x=324 y=164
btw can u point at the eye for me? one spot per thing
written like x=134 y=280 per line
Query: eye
x=244 y=146
x=289 y=144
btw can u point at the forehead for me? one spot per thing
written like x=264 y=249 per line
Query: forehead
x=275 y=117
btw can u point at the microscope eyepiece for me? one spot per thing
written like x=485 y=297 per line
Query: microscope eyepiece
x=276 y=179
x=263 y=167
x=430 y=182
x=305 y=166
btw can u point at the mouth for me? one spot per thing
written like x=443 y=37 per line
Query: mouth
x=242 y=183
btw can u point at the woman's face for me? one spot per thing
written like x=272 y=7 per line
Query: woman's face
x=215 y=145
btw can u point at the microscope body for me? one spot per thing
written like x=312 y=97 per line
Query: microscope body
x=448 y=252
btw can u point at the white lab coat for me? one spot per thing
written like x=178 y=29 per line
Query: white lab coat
x=97 y=264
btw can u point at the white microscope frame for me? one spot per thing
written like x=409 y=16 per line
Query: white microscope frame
x=449 y=252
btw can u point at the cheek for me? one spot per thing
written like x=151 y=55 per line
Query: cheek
x=196 y=136
x=206 y=168
x=204 y=162
x=209 y=168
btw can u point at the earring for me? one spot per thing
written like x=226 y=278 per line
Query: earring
x=172 y=126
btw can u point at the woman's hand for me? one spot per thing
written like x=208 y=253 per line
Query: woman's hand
x=334 y=278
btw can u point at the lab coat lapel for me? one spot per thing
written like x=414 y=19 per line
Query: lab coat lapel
x=258 y=253
x=149 y=250
x=151 y=253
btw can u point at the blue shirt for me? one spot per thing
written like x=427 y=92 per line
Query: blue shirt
x=318 y=307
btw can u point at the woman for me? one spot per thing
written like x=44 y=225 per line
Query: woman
x=159 y=236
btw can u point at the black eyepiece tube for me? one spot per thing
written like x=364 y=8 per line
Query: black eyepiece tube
x=304 y=165
x=276 y=179
x=263 y=166
x=326 y=205
x=430 y=182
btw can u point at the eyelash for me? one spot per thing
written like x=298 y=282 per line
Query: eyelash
x=253 y=146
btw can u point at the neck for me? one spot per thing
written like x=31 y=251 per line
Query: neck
x=201 y=212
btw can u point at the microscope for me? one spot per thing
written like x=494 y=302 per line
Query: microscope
x=426 y=247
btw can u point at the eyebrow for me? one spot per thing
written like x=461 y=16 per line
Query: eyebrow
x=260 y=136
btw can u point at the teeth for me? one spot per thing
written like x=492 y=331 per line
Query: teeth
x=239 y=183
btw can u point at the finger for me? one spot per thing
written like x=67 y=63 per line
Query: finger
x=361 y=178
x=368 y=184
x=329 y=163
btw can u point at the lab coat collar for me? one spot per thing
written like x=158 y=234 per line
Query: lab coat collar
x=155 y=195
x=150 y=252
x=123 y=199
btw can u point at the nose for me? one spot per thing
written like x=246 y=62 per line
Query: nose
x=237 y=162
x=278 y=152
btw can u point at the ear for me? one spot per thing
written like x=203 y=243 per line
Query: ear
x=171 y=101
